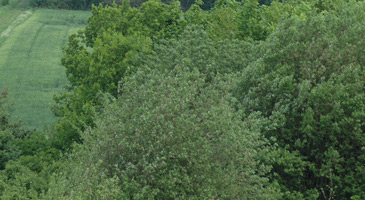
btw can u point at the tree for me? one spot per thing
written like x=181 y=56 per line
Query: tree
x=106 y=51
x=98 y=57
x=307 y=81
x=169 y=136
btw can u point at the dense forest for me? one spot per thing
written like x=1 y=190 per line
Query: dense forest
x=200 y=100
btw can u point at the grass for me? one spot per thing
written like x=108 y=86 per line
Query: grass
x=30 y=57
x=7 y=16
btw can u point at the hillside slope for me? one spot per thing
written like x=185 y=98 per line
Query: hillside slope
x=30 y=54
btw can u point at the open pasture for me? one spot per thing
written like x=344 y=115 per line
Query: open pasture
x=30 y=61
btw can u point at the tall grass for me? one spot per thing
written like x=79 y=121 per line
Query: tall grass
x=30 y=63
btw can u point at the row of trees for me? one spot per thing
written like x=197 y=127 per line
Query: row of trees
x=244 y=101
x=61 y=4
x=87 y=4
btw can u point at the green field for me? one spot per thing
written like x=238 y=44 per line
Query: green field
x=30 y=56
x=7 y=16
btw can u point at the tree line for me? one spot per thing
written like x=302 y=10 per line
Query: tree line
x=87 y=4
x=242 y=101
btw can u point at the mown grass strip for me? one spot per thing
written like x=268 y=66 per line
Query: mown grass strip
x=7 y=16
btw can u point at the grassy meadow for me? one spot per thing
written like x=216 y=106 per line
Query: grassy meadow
x=30 y=54
x=7 y=16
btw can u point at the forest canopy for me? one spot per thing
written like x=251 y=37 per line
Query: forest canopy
x=245 y=100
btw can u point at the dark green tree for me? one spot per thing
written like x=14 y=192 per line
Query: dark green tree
x=307 y=81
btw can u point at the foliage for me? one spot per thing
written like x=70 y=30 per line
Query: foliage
x=10 y=133
x=104 y=52
x=247 y=20
x=4 y=103
x=127 y=32
x=14 y=3
x=66 y=4
x=249 y=100
x=169 y=136
x=4 y=2
x=28 y=177
x=194 y=49
x=87 y=4
x=26 y=159
x=308 y=82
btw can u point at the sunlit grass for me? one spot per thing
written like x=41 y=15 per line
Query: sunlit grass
x=30 y=63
